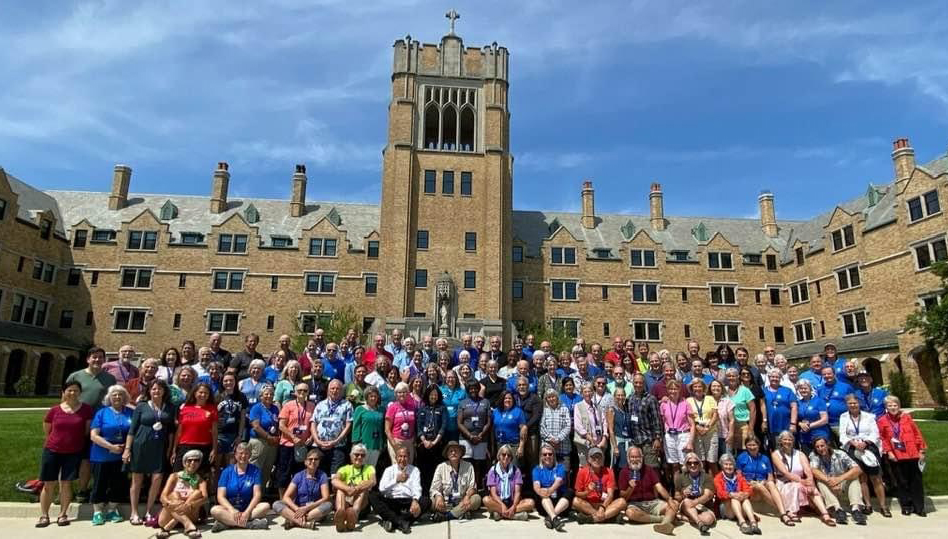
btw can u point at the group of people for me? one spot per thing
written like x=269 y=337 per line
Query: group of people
x=628 y=434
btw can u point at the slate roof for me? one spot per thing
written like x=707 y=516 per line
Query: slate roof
x=356 y=220
x=17 y=333
x=877 y=340
x=31 y=201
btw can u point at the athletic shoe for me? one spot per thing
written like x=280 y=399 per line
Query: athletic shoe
x=388 y=526
x=114 y=516
x=559 y=524
x=841 y=516
x=404 y=527
x=583 y=518
x=548 y=523
x=258 y=524
x=495 y=516
x=98 y=518
x=859 y=518
x=218 y=527
x=704 y=530
x=522 y=515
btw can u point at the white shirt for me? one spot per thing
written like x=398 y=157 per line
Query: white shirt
x=390 y=487
x=864 y=428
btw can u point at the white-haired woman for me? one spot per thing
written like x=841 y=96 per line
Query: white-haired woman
x=240 y=495
x=285 y=389
x=183 y=496
x=859 y=437
x=400 y=422
x=252 y=385
x=795 y=480
x=734 y=494
x=110 y=428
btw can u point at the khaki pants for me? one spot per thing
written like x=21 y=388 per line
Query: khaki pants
x=851 y=488
x=262 y=455
x=475 y=504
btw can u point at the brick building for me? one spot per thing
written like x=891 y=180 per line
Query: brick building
x=446 y=253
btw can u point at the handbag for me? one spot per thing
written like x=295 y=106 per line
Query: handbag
x=299 y=453
x=867 y=458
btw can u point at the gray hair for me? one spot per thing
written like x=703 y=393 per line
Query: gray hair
x=286 y=369
x=577 y=349
x=242 y=446
x=726 y=457
x=464 y=354
x=257 y=363
x=192 y=454
x=358 y=448
x=117 y=388
x=803 y=382
x=730 y=370
x=892 y=398
x=402 y=386
x=539 y=354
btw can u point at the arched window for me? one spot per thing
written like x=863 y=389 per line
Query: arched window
x=450 y=119
x=432 y=121
x=449 y=128
x=467 y=130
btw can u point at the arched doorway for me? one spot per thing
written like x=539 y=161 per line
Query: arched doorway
x=43 y=373
x=70 y=366
x=874 y=368
x=15 y=366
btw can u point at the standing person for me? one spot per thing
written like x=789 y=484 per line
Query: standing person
x=264 y=419
x=188 y=354
x=330 y=428
x=493 y=385
x=453 y=392
x=859 y=437
x=432 y=420
x=646 y=421
x=183 y=384
x=556 y=427
x=510 y=426
x=703 y=422
x=795 y=483
x=781 y=411
x=148 y=448
x=368 y=425
x=306 y=501
x=318 y=384
x=355 y=390
x=122 y=369
x=334 y=366
x=813 y=418
x=240 y=362
x=183 y=496
x=399 y=501
x=725 y=416
x=647 y=501
x=377 y=351
x=218 y=353
x=474 y=424
x=240 y=495
x=871 y=399
x=757 y=470
x=400 y=422
x=95 y=382
x=734 y=495
x=197 y=429
x=694 y=491
x=205 y=358
x=532 y=408
x=621 y=428
x=905 y=448
x=745 y=408
x=290 y=377
x=138 y=387
x=213 y=376
x=232 y=408
x=834 y=392
x=295 y=417
x=674 y=411
x=109 y=430
x=837 y=474
x=453 y=487
x=253 y=383
x=504 y=485
x=66 y=427
x=551 y=492
x=352 y=484
x=595 y=499
x=169 y=361
x=589 y=425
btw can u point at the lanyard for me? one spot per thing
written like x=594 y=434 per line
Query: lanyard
x=674 y=412
x=730 y=483
x=787 y=462
x=855 y=423
x=826 y=464
x=896 y=429
x=300 y=414
x=696 y=485
x=699 y=408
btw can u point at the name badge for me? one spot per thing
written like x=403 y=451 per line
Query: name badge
x=634 y=418
x=157 y=426
x=899 y=445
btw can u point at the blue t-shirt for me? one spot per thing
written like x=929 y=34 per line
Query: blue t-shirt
x=569 y=402
x=507 y=425
x=514 y=378
x=688 y=378
x=546 y=477
x=778 y=407
x=835 y=397
x=113 y=426
x=873 y=401
x=754 y=468
x=269 y=419
x=239 y=487
x=452 y=400
x=309 y=489
x=840 y=367
x=334 y=368
x=809 y=410
x=252 y=389
x=815 y=379
x=271 y=375
x=215 y=384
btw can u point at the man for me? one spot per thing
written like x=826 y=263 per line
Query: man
x=396 y=350
x=217 y=353
x=614 y=356
x=814 y=374
x=532 y=407
x=352 y=484
x=311 y=355
x=596 y=356
x=584 y=371
x=334 y=366
x=509 y=367
x=466 y=344
x=453 y=487
x=831 y=358
x=641 y=360
x=871 y=399
x=318 y=384
x=647 y=501
x=404 y=360
x=319 y=337
x=837 y=474
x=285 y=345
x=139 y=388
x=479 y=343
x=428 y=351
x=647 y=426
x=595 y=499
x=205 y=357
x=654 y=374
x=523 y=371
x=771 y=354
x=352 y=339
x=274 y=370
x=551 y=495
x=850 y=370
x=95 y=384
x=834 y=393
x=240 y=362
x=619 y=381
x=528 y=348
x=546 y=347
x=399 y=501
x=377 y=351
x=494 y=352
x=694 y=491
x=378 y=376
x=660 y=389
x=331 y=424
x=122 y=369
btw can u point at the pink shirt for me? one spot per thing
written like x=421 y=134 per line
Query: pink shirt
x=676 y=415
x=297 y=420
x=403 y=418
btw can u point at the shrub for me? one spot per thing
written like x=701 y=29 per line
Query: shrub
x=899 y=386
x=25 y=386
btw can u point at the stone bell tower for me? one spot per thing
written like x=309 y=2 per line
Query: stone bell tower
x=447 y=187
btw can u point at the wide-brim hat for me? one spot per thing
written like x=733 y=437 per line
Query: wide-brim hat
x=451 y=445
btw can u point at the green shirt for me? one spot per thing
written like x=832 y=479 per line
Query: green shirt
x=350 y=476
x=285 y=391
x=740 y=400
x=368 y=428
x=355 y=394
x=94 y=388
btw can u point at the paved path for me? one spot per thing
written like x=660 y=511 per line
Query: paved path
x=934 y=526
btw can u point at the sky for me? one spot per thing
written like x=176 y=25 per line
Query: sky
x=716 y=100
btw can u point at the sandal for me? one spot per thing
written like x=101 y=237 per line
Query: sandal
x=828 y=520
x=63 y=520
x=42 y=522
x=787 y=520
x=135 y=521
x=193 y=534
x=162 y=534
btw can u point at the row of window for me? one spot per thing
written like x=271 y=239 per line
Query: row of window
x=470 y=279
x=447 y=183
x=853 y=323
x=646 y=258
x=133 y=320
x=726 y=332
x=422 y=242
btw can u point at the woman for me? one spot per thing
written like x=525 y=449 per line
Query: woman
x=148 y=448
x=703 y=425
x=714 y=369
x=432 y=375
x=556 y=427
x=474 y=424
x=416 y=390
x=183 y=384
x=725 y=356
x=620 y=425
x=813 y=419
x=759 y=473
x=183 y=496
x=453 y=393
x=905 y=448
x=66 y=427
x=368 y=425
x=549 y=379
x=188 y=354
x=239 y=495
x=493 y=386
x=504 y=483
x=232 y=407
x=295 y=435
x=400 y=422
x=745 y=409
x=568 y=395
x=859 y=438
x=352 y=484
x=481 y=371
x=416 y=367
x=215 y=372
x=749 y=380
x=387 y=389
x=725 y=416
x=589 y=425
x=795 y=480
x=110 y=428
x=674 y=411
x=510 y=425
x=444 y=363
x=734 y=495
x=252 y=385
x=197 y=429
x=432 y=419
x=285 y=389
x=355 y=390
x=780 y=412
x=306 y=502
x=169 y=363
x=550 y=487
x=465 y=374
x=264 y=420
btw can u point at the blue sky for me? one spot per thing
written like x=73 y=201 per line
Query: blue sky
x=716 y=100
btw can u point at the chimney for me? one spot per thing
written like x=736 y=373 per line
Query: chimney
x=219 y=188
x=903 y=157
x=298 y=202
x=768 y=216
x=589 y=207
x=121 y=178
x=656 y=207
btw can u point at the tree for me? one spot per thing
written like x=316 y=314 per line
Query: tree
x=559 y=338
x=335 y=324
x=932 y=322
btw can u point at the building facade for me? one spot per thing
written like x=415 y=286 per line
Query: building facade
x=445 y=252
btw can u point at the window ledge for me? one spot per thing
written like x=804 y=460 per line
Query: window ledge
x=231 y=254
x=846 y=248
x=927 y=217
x=849 y=289
x=226 y=291
x=856 y=334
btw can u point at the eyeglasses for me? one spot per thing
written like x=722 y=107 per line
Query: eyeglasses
x=693 y=463
x=312 y=459
x=546 y=454
x=186 y=461
x=302 y=391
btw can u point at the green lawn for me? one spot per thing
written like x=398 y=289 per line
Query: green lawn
x=28 y=402
x=936 y=469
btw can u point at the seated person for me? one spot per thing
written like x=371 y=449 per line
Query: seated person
x=550 y=488
x=398 y=501
x=647 y=501
x=734 y=495
x=239 y=495
x=759 y=474
x=504 y=483
x=836 y=475
x=694 y=490
x=352 y=483
x=305 y=501
x=453 y=487
x=595 y=499
x=182 y=498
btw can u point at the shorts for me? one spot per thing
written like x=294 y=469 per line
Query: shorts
x=706 y=446
x=59 y=466
x=87 y=450
x=474 y=452
x=226 y=443
x=675 y=447
x=650 y=507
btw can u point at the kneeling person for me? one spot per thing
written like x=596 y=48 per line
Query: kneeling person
x=647 y=500
x=399 y=502
x=595 y=499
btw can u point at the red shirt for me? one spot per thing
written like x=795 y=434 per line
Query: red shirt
x=68 y=432
x=372 y=354
x=908 y=434
x=195 y=424
x=720 y=488
x=599 y=484
x=644 y=488
x=613 y=358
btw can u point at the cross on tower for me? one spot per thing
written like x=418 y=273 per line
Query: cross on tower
x=454 y=16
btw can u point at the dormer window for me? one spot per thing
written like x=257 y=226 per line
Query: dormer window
x=602 y=253
x=843 y=238
x=679 y=256
x=720 y=261
x=103 y=236
x=281 y=241
x=450 y=118
x=46 y=229
x=192 y=238
x=168 y=211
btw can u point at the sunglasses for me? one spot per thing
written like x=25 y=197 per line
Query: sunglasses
x=186 y=461
x=693 y=463
x=546 y=454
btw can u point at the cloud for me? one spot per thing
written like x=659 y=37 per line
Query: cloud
x=312 y=143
